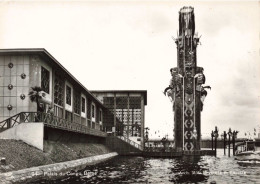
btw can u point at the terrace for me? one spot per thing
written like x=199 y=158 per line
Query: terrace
x=51 y=121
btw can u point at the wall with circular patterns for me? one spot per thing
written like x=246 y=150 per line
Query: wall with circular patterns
x=14 y=85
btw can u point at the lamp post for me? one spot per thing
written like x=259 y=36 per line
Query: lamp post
x=225 y=137
x=146 y=134
x=212 y=135
x=234 y=140
x=229 y=134
x=222 y=138
x=216 y=137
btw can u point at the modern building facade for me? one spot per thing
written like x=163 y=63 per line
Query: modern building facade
x=125 y=112
x=22 y=69
x=66 y=109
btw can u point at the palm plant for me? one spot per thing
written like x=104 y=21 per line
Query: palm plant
x=36 y=94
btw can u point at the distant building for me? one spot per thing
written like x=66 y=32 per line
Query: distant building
x=125 y=112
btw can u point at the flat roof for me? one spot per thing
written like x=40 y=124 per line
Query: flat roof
x=43 y=52
x=144 y=92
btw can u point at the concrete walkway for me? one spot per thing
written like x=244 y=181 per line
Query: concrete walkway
x=52 y=170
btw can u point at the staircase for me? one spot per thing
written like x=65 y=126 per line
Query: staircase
x=123 y=145
x=129 y=141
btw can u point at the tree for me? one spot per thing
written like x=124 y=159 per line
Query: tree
x=36 y=94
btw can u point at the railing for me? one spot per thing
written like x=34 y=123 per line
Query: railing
x=58 y=110
x=76 y=118
x=84 y=121
x=130 y=142
x=158 y=149
x=50 y=121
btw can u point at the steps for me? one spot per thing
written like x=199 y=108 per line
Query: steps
x=123 y=146
x=130 y=142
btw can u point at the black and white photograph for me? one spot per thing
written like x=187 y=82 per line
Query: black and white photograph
x=129 y=91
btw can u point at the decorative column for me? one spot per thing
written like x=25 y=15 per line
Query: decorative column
x=185 y=90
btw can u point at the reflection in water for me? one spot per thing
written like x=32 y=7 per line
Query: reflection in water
x=205 y=169
x=188 y=169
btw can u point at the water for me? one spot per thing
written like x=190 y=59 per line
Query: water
x=204 y=169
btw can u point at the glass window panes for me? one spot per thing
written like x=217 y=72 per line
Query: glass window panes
x=76 y=102
x=83 y=105
x=93 y=110
x=58 y=90
x=100 y=115
x=45 y=80
x=68 y=95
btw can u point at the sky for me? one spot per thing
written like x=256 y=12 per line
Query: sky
x=128 y=45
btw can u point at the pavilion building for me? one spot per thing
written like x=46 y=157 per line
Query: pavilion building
x=75 y=108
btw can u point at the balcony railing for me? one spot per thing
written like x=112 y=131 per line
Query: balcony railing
x=50 y=121
x=130 y=142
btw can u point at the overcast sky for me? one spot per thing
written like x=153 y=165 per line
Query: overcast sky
x=127 y=45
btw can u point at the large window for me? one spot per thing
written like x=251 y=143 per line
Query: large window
x=83 y=105
x=88 y=103
x=58 y=90
x=76 y=102
x=68 y=95
x=45 y=80
x=93 y=110
x=100 y=115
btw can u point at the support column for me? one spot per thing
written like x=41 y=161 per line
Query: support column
x=91 y=123
x=115 y=113
x=132 y=127
x=64 y=101
x=128 y=115
x=52 y=94
x=142 y=121
x=72 y=102
x=80 y=106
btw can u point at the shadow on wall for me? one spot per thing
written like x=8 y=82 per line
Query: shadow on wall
x=58 y=135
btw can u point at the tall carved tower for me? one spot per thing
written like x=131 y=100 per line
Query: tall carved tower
x=185 y=90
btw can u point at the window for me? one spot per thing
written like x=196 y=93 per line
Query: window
x=83 y=105
x=76 y=102
x=88 y=103
x=45 y=80
x=93 y=110
x=100 y=115
x=68 y=95
x=58 y=90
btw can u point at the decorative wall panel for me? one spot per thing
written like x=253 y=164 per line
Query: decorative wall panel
x=14 y=85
